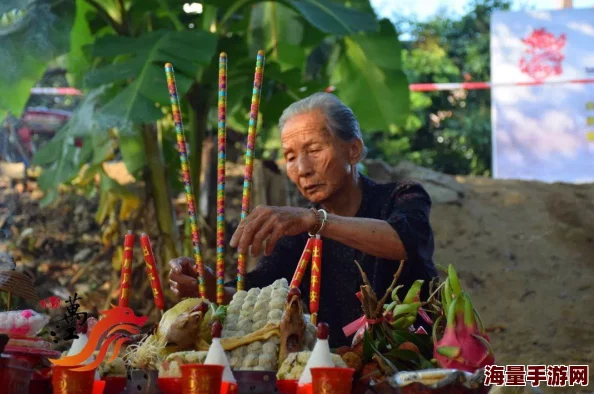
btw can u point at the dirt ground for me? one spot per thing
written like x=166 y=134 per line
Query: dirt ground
x=524 y=251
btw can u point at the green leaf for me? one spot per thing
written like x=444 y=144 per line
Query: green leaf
x=413 y=291
x=383 y=47
x=35 y=37
x=403 y=354
x=49 y=152
x=102 y=147
x=130 y=105
x=359 y=5
x=279 y=30
x=368 y=347
x=331 y=17
x=79 y=61
x=290 y=56
x=62 y=171
x=60 y=157
x=274 y=107
x=379 y=98
x=425 y=364
x=132 y=149
x=49 y=197
x=188 y=51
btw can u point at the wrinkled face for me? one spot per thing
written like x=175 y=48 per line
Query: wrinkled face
x=319 y=163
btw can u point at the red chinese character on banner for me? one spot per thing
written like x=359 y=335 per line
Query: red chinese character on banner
x=536 y=374
x=543 y=56
x=494 y=374
x=578 y=374
x=515 y=375
x=557 y=375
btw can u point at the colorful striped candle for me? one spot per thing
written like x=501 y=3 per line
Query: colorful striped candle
x=249 y=158
x=222 y=137
x=185 y=167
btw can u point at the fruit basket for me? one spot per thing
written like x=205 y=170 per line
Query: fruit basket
x=393 y=353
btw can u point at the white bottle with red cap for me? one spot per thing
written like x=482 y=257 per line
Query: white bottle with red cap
x=78 y=344
x=216 y=354
x=320 y=356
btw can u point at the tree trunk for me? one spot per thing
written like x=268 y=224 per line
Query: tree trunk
x=208 y=198
x=160 y=190
x=199 y=100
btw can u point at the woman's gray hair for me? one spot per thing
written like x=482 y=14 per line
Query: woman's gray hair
x=340 y=119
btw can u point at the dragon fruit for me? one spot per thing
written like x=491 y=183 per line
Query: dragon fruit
x=465 y=345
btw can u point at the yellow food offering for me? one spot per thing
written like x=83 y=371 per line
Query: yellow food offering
x=294 y=364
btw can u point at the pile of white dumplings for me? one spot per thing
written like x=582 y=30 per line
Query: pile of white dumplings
x=250 y=311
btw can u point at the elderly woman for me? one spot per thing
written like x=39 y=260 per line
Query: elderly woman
x=376 y=224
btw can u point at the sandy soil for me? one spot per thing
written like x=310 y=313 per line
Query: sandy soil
x=525 y=252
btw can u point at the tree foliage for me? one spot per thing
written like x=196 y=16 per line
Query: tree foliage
x=449 y=131
x=120 y=47
x=115 y=51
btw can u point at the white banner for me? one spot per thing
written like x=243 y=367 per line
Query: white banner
x=543 y=132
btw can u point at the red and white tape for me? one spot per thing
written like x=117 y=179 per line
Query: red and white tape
x=414 y=87
x=432 y=87
x=57 y=91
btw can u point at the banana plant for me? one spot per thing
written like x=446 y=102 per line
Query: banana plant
x=117 y=49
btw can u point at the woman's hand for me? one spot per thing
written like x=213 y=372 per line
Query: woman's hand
x=182 y=278
x=269 y=224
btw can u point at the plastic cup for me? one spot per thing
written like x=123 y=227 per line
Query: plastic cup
x=170 y=385
x=114 y=384
x=229 y=388
x=98 y=386
x=287 y=386
x=304 y=388
x=67 y=381
x=202 y=379
x=332 y=380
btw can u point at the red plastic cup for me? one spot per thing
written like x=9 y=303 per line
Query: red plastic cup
x=98 y=386
x=229 y=388
x=304 y=388
x=202 y=379
x=114 y=384
x=67 y=381
x=287 y=386
x=332 y=380
x=170 y=385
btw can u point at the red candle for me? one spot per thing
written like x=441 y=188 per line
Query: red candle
x=152 y=271
x=316 y=278
x=126 y=269
x=303 y=262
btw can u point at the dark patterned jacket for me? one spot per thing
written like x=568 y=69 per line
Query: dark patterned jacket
x=406 y=207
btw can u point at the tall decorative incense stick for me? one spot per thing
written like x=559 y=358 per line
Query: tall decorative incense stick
x=185 y=167
x=249 y=159
x=222 y=140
